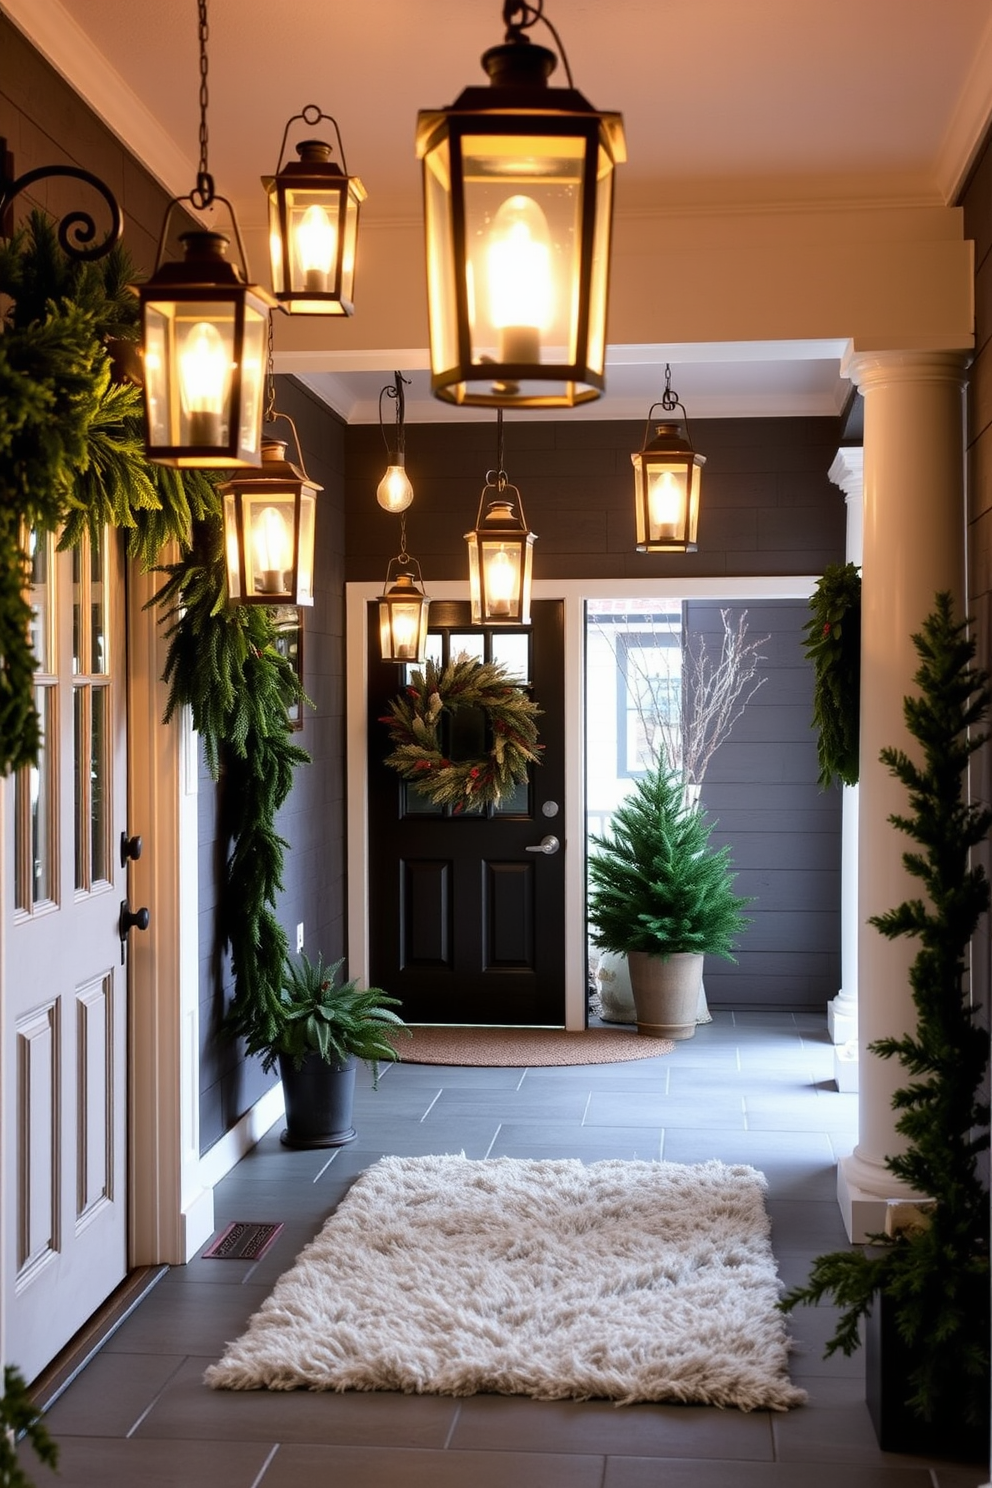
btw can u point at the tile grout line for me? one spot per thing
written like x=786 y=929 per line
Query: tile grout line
x=433 y=1103
x=266 y=1465
x=454 y=1423
x=154 y=1400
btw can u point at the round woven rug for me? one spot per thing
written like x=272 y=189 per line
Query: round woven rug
x=520 y=1047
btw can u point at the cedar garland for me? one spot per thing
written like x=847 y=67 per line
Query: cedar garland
x=833 y=645
x=415 y=724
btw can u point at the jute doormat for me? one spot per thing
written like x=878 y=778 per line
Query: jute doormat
x=518 y=1048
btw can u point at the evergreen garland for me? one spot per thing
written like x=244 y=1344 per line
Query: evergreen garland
x=655 y=883
x=72 y=460
x=833 y=645
x=936 y=1277
x=20 y=1417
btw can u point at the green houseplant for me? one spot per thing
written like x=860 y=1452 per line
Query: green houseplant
x=661 y=896
x=19 y=1418
x=320 y=1031
x=927 y=1286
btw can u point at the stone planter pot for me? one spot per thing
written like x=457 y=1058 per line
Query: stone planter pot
x=319 y=1102
x=666 y=993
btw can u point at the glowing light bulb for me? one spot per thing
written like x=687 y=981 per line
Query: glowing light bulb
x=204 y=374
x=405 y=628
x=394 y=492
x=501 y=582
x=666 y=500
x=518 y=271
x=273 y=550
x=316 y=238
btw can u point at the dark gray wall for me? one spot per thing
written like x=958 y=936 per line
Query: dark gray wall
x=783 y=831
x=313 y=819
x=767 y=508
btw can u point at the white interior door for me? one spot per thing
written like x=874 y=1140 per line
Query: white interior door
x=64 y=1074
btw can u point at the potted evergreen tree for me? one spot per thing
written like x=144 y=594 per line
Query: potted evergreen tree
x=923 y=1289
x=661 y=896
x=321 y=1033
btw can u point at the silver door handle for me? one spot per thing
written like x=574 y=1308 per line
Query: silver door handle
x=547 y=845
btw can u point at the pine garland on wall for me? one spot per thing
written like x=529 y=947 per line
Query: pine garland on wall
x=72 y=460
x=833 y=645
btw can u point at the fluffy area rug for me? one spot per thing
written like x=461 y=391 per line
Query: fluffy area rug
x=625 y=1281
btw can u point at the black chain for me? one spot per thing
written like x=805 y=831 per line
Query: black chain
x=270 y=379
x=669 y=399
x=203 y=193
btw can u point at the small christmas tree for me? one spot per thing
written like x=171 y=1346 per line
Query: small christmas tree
x=936 y=1276
x=655 y=883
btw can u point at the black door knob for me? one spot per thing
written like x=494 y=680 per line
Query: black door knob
x=136 y=919
x=130 y=848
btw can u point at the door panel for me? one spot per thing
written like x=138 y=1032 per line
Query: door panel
x=65 y=1069
x=467 y=923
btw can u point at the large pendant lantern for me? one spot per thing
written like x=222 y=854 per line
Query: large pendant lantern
x=204 y=336
x=403 y=611
x=205 y=333
x=313 y=226
x=518 y=201
x=269 y=531
x=667 y=480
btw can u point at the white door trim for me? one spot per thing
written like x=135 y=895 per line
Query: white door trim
x=574 y=593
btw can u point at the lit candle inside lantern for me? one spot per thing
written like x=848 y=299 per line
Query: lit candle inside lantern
x=204 y=371
x=501 y=583
x=270 y=536
x=666 y=502
x=521 y=292
x=316 y=246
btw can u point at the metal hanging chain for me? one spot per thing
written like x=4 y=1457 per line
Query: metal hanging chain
x=669 y=399
x=270 y=380
x=500 y=468
x=394 y=390
x=403 y=556
x=529 y=16
x=202 y=194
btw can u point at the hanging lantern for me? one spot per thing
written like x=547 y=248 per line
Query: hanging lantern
x=667 y=479
x=205 y=335
x=313 y=225
x=269 y=530
x=394 y=492
x=403 y=610
x=518 y=202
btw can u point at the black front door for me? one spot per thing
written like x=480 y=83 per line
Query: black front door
x=466 y=918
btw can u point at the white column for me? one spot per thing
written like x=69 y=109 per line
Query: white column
x=847 y=471
x=913 y=546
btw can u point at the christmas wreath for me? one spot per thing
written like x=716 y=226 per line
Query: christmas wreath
x=415 y=728
x=833 y=645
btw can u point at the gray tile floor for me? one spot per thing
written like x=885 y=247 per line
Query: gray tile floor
x=751 y=1088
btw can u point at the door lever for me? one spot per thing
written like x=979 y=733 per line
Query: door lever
x=546 y=845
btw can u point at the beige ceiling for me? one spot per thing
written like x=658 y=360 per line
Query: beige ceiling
x=727 y=105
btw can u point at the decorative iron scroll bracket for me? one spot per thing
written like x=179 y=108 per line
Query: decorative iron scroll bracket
x=77 y=230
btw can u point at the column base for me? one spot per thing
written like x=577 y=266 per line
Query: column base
x=863 y=1194
x=846 y=1067
x=842 y=1019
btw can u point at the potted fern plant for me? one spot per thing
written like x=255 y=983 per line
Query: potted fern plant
x=322 y=1031
x=661 y=896
x=922 y=1290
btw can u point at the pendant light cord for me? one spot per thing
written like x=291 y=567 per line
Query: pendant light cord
x=202 y=195
x=394 y=390
x=500 y=468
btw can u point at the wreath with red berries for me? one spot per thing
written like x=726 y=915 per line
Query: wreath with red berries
x=415 y=728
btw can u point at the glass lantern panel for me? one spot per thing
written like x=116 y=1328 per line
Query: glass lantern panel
x=501 y=575
x=314 y=221
x=191 y=347
x=400 y=629
x=598 y=285
x=253 y=362
x=666 y=490
x=276 y=260
x=523 y=217
x=268 y=523
x=232 y=547
x=305 y=554
x=441 y=298
x=349 y=249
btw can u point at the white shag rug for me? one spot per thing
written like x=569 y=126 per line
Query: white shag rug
x=626 y=1281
